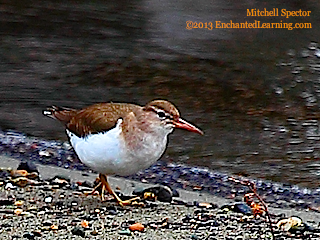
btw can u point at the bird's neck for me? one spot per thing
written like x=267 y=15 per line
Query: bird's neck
x=140 y=131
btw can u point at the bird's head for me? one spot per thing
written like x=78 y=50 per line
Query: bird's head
x=168 y=116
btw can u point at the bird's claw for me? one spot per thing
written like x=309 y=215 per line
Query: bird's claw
x=133 y=201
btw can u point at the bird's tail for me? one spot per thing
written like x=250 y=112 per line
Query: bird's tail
x=62 y=114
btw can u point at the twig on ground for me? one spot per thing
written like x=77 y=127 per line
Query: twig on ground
x=253 y=189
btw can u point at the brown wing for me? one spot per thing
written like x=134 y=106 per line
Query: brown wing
x=99 y=117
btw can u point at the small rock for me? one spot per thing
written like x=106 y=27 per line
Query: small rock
x=62 y=196
x=161 y=193
x=23 y=181
x=44 y=153
x=204 y=205
x=19 y=203
x=113 y=212
x=60 y=180
x=9 y=186
x=48 y=199
x=54 y=227
x=197 y=188
x=136 y=227
x=18 y=211
x=125 y=232
x=19 y=173
x=28 y=166
x=29 y=235
x=238 y=207
x=242 y=208
x=84 y=223
x=290 y=223
x=78 y=232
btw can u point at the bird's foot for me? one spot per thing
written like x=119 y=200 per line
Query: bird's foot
x=94 y=190
x=133 y=202
x=105 y=187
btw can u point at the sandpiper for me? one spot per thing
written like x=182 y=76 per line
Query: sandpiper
x=120 y=138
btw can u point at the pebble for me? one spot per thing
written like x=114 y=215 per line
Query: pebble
x=136 y=227
x=29 y=166
x=78 y=232
x=48 y=199
x=242 y=208
x=23 y=181
x=9 y=186
x=18 y=211
x=160 y=193
x=125 y=232
x=84 y=224
x=206 y=205
x=19 y=203
x=29 y=235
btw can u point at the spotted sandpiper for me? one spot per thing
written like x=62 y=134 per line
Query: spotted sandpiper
x=120 y=138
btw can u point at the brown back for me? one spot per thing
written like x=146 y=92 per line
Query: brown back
x=96 y=118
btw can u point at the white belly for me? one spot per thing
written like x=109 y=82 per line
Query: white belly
x=106 y=152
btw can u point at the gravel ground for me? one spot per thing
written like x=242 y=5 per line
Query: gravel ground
x=58 y=209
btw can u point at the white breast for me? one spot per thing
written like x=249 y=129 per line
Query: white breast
x=106 y=152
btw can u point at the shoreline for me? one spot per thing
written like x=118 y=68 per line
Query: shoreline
x=127 y=186
x=47 y=211
x=175 y=175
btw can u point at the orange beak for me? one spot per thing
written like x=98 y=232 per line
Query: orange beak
x=180 y=123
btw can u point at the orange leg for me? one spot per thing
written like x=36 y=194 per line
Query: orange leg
x=93 y=191
x=106 y=185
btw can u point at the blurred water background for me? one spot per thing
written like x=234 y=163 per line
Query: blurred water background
x=254 y=92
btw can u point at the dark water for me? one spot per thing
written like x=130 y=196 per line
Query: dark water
x=255 y=92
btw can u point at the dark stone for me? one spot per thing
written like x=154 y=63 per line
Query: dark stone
x=28 y=166
x=29 y=235
x=74 y=187
x=239 y=207
x=78 y=232
x=113 y=212
x=163 y=193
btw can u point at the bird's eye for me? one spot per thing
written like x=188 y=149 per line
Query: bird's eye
x=161 y=115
